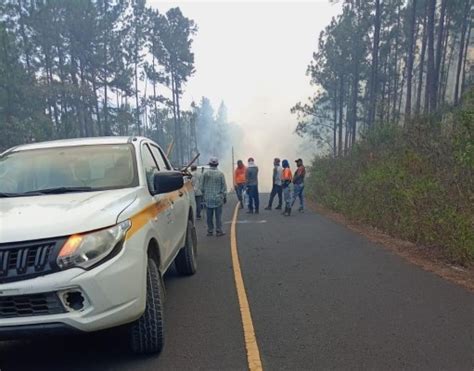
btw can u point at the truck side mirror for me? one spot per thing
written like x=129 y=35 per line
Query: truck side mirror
x=167 y=181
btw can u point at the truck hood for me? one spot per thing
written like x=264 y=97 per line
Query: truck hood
x=47 y=216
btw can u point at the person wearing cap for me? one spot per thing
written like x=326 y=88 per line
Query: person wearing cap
x=214 y=190
x=286 y=179
x=276 y=185
x=252 y=186
x=240 y=181
x=298 y=181
x=196 y=182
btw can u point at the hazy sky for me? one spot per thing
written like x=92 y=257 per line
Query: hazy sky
x=254 y=55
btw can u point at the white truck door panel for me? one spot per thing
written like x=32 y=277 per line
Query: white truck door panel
x=164 y=220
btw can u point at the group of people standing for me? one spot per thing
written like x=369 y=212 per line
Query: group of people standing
x=246 y=183
x=210 y=189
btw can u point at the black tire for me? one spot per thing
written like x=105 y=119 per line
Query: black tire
x=147 y=333
x=186 y=262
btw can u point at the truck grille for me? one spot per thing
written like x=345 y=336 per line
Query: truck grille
x=19 y=261
x=30 y=305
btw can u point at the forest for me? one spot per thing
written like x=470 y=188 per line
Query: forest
x=99 y=67
x=392 y=117
x=382 y=62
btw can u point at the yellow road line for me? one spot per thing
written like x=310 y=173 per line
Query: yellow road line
x=253 y=354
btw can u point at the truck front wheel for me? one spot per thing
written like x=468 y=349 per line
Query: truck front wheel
x=147 y=333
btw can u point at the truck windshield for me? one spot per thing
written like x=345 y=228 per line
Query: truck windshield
x=67 y=169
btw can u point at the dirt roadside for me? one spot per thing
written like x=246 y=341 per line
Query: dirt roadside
x=429 y=259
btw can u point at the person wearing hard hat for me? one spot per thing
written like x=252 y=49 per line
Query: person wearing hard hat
x=214 y=190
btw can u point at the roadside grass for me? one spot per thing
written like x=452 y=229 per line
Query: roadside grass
x=414 y=183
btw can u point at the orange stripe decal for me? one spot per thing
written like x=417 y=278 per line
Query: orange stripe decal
x=140 y=219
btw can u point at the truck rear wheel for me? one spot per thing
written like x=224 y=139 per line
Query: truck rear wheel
x=147 y=333
x=186 y=262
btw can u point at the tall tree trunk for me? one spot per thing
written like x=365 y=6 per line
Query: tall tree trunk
x=466 y=49
x=442 y=80
x=86 y=116
x=354 y=99
x=178 y=115
x=400 y=96
x=96 y=101
x=411 y=54
x=384 y=94
x=341 y=113
x=334 y=130
x=175 y=118
x=374 y=83
x=106 y=71
x=137 y=102
x=145 y=108
x=78 y=97
x=430 y=93
x=52 y=89
x=448 y=68
x=155 y=104
x=396 y=76
x=346 y=137
x=439 y=53
x=8 y=76
x=461 y=51
x=421 y=65
x=26 y=47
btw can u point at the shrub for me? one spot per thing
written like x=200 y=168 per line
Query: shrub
x=415 y=182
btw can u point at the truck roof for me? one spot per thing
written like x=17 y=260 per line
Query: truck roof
x=76 y=142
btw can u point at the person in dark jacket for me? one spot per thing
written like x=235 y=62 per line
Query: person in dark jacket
x=252 y=186
x=298 y=184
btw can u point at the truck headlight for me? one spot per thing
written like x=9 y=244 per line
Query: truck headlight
x=85 y=250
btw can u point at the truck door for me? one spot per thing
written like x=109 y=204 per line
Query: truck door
x=164 y=218
x=180 y=201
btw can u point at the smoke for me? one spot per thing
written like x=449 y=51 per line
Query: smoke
x=258 y=68
x=272 y=136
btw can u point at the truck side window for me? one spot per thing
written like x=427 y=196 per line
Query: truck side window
x=159 y=158
x=150 y=167
x=165 y=159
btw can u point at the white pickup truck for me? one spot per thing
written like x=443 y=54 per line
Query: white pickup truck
x=88 y=228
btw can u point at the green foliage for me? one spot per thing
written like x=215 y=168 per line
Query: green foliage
x=373 y=66
x=415 y=183
x=81 y=68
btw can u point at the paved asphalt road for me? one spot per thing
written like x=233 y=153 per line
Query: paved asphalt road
x=321 y=297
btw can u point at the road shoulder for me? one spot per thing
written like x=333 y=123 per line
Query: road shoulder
x=429 y=259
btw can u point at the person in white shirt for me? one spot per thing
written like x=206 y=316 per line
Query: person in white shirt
x=196 y=181
x=276 y=187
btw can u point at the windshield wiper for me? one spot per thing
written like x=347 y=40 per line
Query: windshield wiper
x=47 y=191
x=56 y=190
x=4 y=194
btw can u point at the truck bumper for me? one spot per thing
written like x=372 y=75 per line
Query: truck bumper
x=109 y=295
